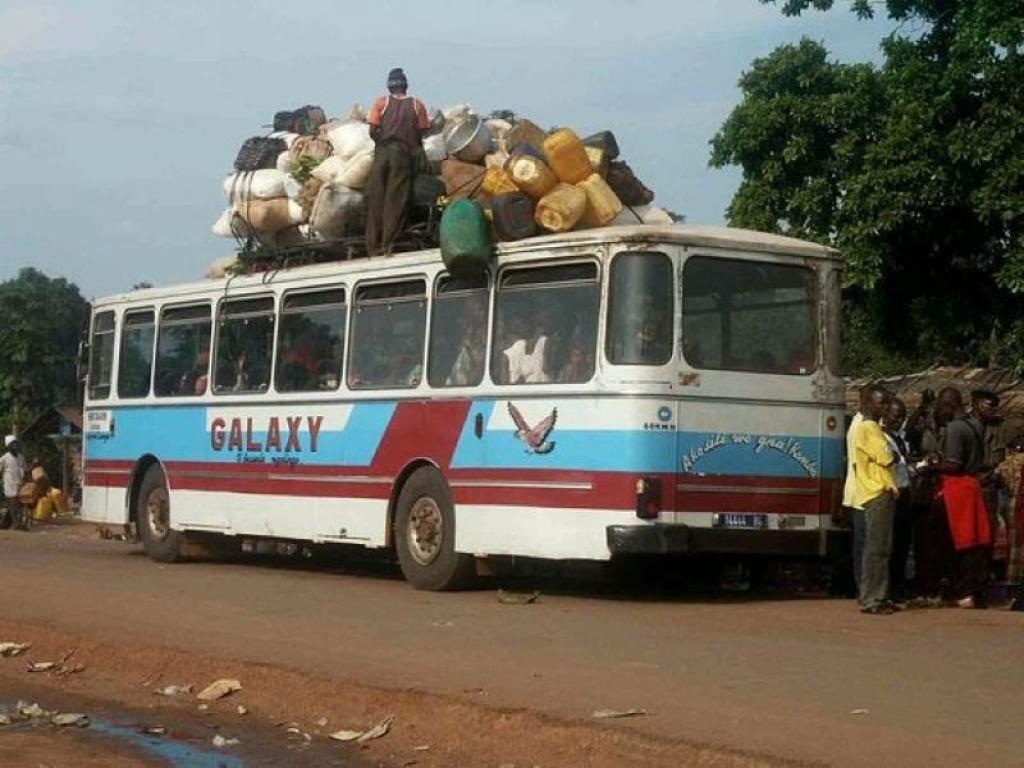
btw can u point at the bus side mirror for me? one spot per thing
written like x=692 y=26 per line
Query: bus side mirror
x=82 y=366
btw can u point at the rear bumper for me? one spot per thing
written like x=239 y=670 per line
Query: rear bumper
x=682 y=539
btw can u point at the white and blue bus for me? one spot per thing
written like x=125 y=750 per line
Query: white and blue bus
x=616 y=391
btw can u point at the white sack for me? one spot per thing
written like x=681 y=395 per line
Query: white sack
x=456 y=111
x=287 y=136
x=218 y=268
x=284 y=162
x=230 y=224
x=356 y=171
x=292 y=188
x=264 y=184
x=349 y=139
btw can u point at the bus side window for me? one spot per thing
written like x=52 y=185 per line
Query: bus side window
x=245 y=342
x=135 y=359
x=388 y=329
x=546 y=325
x=101 y=357
x=183 y=352
x=311 y=342
x=640 y=309
x=458 y=332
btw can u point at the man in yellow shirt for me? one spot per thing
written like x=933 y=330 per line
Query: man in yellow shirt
x=875 y=492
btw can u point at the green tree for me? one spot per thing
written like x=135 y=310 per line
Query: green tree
x=41 y=321
x=915 y=169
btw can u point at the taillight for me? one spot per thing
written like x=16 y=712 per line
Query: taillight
x=648 y=498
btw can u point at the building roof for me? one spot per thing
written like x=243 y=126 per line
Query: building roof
x=52 y=419
x=1003 y=381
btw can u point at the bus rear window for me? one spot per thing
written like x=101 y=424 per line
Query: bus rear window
x=388 y=328
x=749 y=316
x=546 y=325
x=311 y=342
x=101 y=356
x=245 y=342
x=135 y=360
x=640 y=309
x=183 y=352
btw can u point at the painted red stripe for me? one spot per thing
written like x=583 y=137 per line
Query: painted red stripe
x=430 y=430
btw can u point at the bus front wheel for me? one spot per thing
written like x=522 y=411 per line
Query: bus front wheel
x=425 y=534
x=153 y=510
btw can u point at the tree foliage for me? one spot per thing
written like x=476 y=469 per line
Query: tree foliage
x=914 y=169
x=41 y=320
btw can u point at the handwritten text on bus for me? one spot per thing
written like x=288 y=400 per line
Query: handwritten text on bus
x=787 y=446
x=281 y=435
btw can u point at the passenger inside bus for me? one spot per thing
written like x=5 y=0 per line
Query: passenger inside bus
x=195 y=380
x=580 y=365
x=524 y=358
x=468 y=367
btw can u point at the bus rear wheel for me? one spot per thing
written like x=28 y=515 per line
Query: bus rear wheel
x=153 y=510
x=425 y=535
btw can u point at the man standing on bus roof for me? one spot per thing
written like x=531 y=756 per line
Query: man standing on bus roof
x=875 y=491
x=397 y=125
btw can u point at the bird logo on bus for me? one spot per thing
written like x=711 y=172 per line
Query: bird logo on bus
x=534 y=438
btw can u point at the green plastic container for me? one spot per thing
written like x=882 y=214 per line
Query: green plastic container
x=466 y=245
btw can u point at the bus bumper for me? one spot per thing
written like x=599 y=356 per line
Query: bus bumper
x=682 y=539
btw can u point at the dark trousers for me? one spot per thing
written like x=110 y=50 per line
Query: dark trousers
x=15 y=516
x=857 y=545
x=902 y=537
x=972 y=572
x=879 y=514
x=933 y=549
x=387 y=195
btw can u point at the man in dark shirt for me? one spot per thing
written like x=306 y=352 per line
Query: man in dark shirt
x=985 y=407
x=961 y=493
x=397 y=124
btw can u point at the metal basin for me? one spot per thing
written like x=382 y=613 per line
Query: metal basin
x=468 y=139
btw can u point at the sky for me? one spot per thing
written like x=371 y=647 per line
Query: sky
x=120 y=118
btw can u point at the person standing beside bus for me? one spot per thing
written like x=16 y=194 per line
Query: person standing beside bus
x=855 y=514
x=875 y=493
x=894 y=422
x=961 y=493
x=397 y=125
x=12 y=473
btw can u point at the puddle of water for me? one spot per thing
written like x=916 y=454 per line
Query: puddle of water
x=180 y=752
x=177 y=753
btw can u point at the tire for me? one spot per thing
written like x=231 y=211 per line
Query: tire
x=427 y=555
x=153 y=518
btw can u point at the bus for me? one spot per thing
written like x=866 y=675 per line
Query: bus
x=590 y=396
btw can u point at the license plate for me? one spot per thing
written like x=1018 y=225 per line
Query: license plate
x=738 y=520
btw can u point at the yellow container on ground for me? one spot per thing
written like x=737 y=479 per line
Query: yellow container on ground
x=567 y=156
x=531 y=175
x=498 y=182
x=561 y=208
x=603 y=205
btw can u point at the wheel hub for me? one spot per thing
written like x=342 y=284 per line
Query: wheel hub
x=158 y=512
x=426 y=531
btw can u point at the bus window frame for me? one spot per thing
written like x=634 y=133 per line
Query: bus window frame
x=201 y=303
x=111 y=394
x=764 y=259
x=490 y=283
x=590 y=257
x=351 y=330
x=281 y=312
x=211 y=386
x=125 y=312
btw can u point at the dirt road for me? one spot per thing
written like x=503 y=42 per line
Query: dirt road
x=476 y=681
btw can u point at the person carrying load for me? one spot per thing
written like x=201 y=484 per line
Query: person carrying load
x=397 y=125
x=12 y=472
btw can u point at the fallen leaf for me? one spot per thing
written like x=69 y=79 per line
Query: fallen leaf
x=8 y=648
x=608 y=714
x=220 y=742
x=242 y=710
x=345 y=735
x=510 y=598
x=219 y=689
x=859 y=711
x=4 y=720
x=32 y=710
x=421 y=748
x=380 y=729
x=70 y=718
x=154 y=730
x=321 y=723
x=203 y=707
x=173 y=690
x=41 y=666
